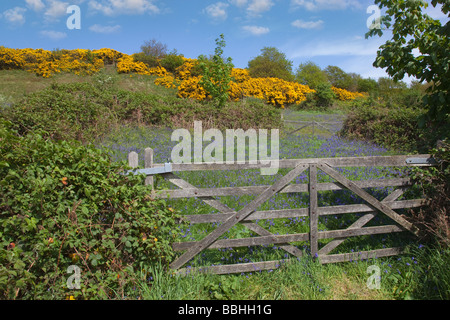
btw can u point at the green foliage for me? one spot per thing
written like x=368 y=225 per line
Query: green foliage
x=221 y=288
x=310 y=74
x=69 y=111
x=271 y=63
x=367 y=85
x=150 y=61
x=434 y=218
x=324 y=95
x=172 y=61
x=88 y=111
x=216 y=74
x=396 y=128
x=412 y=29
x=64 y=204
x=338 y=77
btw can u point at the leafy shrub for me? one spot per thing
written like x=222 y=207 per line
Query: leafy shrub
x=395 y=128
x=324 y=95
x=216 y=74
x=65 y=111
x=171 y=62
x=150 y=61
x=64 y=204
x=434 y=218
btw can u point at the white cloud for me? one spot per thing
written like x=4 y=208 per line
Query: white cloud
x=217 y=11
x=55 y=9
x=307 y=24
x=116 y=7
x=104 y=29
x=54 y=35
x=255 y=30
x=238 y=3
x=36 y=5
x=15 y=16
x=350 y=46
x=315 y=5
x=256 y=7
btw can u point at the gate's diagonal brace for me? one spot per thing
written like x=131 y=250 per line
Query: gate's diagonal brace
x=367 y=197
x=238 y=216
x=225 y=209
x=361 y=222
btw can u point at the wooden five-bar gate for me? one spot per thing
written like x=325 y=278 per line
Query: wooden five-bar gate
x=247 y=215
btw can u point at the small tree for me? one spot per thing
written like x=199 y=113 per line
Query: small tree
x=216 y=73
x=310 y=74
x=154 y=48
x=271 y=63
x=324 y=95
x=412 y=29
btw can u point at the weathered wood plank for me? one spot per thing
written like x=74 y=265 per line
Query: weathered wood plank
x=371 y=200
x=148 y=163
x=369 y=161
x=303 y=212
x=286 y=238
x=237 y=217
x=362 y=221
x=133 y=159
x=235 y=268
x=371 y=254
x=291 y=188
x=263 y=232
x=313 y=213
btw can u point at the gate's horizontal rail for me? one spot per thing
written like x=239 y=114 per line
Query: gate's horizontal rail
x=286 y=238
x=369 y=161
x=302 y=212
x=250 y=190
x=274 y=264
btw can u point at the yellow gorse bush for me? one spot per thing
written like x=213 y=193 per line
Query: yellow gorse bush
x=274 y=91
x=46 y=63
x=344 y=95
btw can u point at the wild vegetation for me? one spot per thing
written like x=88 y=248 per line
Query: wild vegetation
x=69 y=118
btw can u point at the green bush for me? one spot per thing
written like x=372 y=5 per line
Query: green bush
x=150 y=61
x=78 y=111
x=87 y=111
x=172 y=61
x=434 y=218
x=64 y=204
x=324 y=95
x=395 y=128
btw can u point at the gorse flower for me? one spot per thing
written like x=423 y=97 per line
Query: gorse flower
x=186 y=78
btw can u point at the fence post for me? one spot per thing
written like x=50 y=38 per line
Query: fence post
x=133 y=159
x=313 y=217
x=148 y=163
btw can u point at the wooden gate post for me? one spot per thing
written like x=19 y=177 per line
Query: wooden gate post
x=313 y=215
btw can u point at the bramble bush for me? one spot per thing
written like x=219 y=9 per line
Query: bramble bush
x=395 y=128
x=434 y=218
x=86 y=112
x=64 y=204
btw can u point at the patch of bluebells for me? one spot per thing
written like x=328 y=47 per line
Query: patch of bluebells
x=291 y=147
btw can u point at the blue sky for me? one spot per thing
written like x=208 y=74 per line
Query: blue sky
x=327 y=32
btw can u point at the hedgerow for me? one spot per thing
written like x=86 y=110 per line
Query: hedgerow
x=63 y=204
